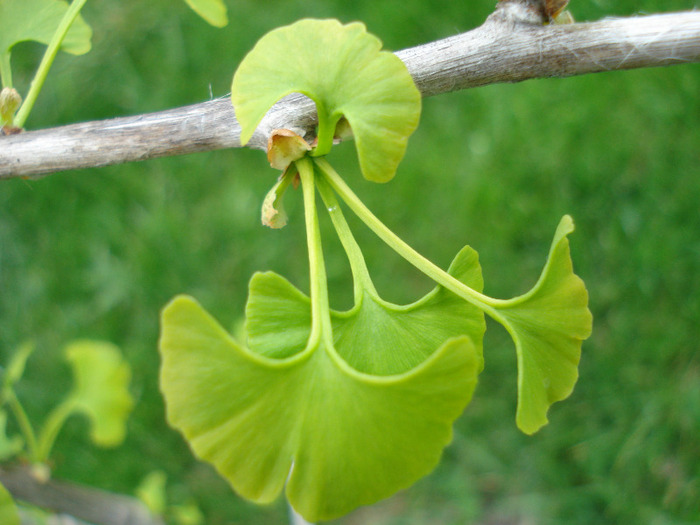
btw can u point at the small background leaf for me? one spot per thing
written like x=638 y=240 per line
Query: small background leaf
x=100 y=389
x=22 y=20
x=342 y=68
x=213 y=11
x=18 y=362
x=152 y=492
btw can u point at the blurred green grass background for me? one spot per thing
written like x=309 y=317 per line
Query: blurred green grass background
x=97 y=253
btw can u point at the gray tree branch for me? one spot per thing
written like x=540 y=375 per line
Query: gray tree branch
x=512 y=45
x=85 y=503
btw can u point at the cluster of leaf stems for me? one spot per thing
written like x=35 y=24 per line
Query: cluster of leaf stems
x=38 y=445
x=317 y=173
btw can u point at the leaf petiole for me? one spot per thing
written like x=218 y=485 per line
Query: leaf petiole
x=358 y=267
x=320 y=307
x=484 y=302
x=52 y=427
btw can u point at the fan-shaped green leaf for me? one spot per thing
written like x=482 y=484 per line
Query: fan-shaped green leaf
x=344 y=71
x=100 y=389
x=367 y=336
x=213 y=11
x=349 y=438
x=22 y=20
x=548 y=324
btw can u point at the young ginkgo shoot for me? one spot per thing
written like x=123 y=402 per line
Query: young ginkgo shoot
x=100 y=392
x=342 y=408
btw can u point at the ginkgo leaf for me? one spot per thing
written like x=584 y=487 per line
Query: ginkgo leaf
x=338 y=437
x=367 y=336
x=548 y=325
x=152 y=492
x=100 y=389
x=213 y=11
x=343 y=70
x=23 y=20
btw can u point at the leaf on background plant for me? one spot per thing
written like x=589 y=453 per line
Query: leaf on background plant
x=213 y=11
x=343 y=70
x=151 y=491
x=9 y=446
x=8 y=509
x=187 y=514
x=23 y=20
x=348 y=437
x=548 y=325
x=15 y=368
x=100 y=389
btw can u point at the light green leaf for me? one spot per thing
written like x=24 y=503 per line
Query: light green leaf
x=8 y=509
x=100 y=390
x=213 y=11
x=22 y=20
x=548 y=325
x=344 y=71
x=349 y=438
x=152 y=492
x=18 y=361
x=367 y=337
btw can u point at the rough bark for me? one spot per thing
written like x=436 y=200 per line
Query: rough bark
x=512 y=45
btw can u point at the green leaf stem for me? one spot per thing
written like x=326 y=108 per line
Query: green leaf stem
x=100 y=392
x=13 y=373
x=101 y=389
x=343 y=70
x=299 y=407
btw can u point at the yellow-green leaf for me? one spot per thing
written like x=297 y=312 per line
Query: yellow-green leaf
x=548 y=325
x=344 y=71
x=213 y=11
x=337 y=438
x=101 y=389
x=22 y=20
